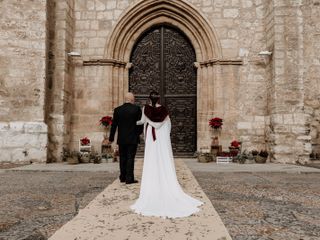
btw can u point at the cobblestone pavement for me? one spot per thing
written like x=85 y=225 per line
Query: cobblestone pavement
x=33 y=205
x=109 y=217
x=265 y=206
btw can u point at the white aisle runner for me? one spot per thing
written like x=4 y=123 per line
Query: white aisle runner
x=109 y=217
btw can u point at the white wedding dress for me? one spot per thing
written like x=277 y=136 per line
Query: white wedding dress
x=161 y=194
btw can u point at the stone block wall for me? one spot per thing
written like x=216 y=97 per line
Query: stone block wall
x=60 y=75
x=239 y=92
x=266 y=102
x=93 y=88
x=311 y=45
x=22 y=80
x=23 y=141
x=270 y=69
x=289 y=135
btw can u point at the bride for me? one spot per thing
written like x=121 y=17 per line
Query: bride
x=160 y=193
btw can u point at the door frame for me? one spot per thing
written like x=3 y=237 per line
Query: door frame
x=184 y=16
x=163 y=82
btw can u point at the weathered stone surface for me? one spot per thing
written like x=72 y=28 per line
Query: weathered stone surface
x=35 y=204
x=282 y=88
x=265 y=205
x=23 y=142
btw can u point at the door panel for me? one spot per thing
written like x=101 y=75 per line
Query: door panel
x=163 y=60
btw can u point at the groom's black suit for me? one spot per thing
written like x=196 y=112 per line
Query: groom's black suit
x=125 y=118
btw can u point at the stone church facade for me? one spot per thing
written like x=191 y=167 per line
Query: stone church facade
x=49 y=99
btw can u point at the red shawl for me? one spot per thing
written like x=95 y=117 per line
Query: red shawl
x=155 y=114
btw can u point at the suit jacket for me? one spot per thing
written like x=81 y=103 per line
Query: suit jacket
x=125 y=119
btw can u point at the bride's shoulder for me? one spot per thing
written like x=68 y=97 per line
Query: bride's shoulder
x=158 y=106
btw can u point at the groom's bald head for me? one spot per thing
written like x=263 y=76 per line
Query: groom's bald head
x=129 y=97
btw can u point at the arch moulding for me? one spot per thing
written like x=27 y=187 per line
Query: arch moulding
x=148 y=13
x=182 y=15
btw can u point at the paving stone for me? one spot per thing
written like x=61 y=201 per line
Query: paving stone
x=265 y=206
x=35 y=204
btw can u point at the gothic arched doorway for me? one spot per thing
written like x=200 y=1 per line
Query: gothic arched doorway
x=163 y=60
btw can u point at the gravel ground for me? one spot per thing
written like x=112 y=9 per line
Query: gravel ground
x=265 y=206
x=33 y=205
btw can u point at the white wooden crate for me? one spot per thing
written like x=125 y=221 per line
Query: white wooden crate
x=85 y=148
x=224 y=159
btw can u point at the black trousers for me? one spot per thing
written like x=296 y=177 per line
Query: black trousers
x=127 y=153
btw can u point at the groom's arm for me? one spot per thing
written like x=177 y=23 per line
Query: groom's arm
x=140 y=127
x=142 y=118
x=114 y=125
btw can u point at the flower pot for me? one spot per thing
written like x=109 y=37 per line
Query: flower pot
x=260 y=159
x=72 y=160
x=216 y=149
x=85 y=158
x=249 y=161
x=215 y=141
x=234 y=151
x=97 y=160
x=205 y=157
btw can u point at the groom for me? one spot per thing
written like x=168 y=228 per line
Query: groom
x=125 y=118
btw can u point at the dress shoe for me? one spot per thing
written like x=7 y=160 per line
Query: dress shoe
x=134 y=181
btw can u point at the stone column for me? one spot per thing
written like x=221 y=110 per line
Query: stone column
x=203 y=93
x=289 y=137
x=122 y=90
x=115 y=87
x=60 y=74
x=108 y=75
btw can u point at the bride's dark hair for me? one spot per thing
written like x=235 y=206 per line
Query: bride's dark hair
x=154 y=97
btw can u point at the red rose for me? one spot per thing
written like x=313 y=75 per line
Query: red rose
x=85 y=141
x=106 y=121
x=235 y=144
x=215 y=122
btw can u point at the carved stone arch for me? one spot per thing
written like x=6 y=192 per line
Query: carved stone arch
x=147 y=13
x=183 y=16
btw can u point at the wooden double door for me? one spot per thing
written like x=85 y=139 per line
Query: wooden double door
x=163 y=60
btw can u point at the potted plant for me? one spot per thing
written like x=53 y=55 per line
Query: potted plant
x=254 y=153
x=215 y=147
x=215 y=123
x=64 y=154
x=250 y=158
x=262 y=156
x=84 y=157
x=204 y=155
x=95 y=158
x=242 y=157
x=106 y=121
x=85 y=141
x=85 y=144
x=72 y=157
x=234 y=147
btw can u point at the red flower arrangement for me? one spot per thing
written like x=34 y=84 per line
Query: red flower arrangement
x=106 y=121
x=84 y=141
x=215 y=122
x=235 y=144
